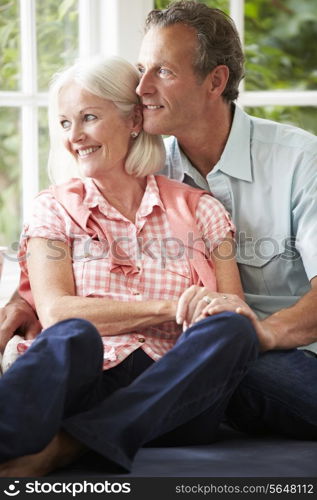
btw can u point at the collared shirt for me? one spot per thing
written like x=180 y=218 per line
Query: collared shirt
x=156 y=269
x=267 y=180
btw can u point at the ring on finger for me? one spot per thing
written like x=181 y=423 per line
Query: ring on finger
x=224 y=297
x=207 y=299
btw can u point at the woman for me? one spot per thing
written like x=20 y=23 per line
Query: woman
x=138 y=258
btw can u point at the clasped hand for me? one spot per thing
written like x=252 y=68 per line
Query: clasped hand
x=197 y=303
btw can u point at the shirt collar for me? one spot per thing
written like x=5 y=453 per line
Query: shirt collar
x=235 y=159
x=93 y=198
x=151 y=197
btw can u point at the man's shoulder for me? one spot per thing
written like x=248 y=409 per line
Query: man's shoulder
x=173 y=186
x=283 y=134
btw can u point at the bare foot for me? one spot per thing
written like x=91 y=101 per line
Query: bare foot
x=61 y=451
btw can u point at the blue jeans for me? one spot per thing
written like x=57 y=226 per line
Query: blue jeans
x=278 y=394
x=59 y=383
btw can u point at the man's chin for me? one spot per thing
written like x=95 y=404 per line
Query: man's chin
x=154 y=128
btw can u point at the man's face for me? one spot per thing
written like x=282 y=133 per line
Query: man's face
x=173 y=97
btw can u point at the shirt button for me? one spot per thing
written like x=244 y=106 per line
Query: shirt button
x=141 y=340
x=135 y=292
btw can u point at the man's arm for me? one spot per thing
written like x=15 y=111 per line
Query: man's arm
x=294 y=326
x=17 y=316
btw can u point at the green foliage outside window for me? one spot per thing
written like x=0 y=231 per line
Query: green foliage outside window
x=10 y=176
x=281 y=53
x=57 y=46
x=9 y=45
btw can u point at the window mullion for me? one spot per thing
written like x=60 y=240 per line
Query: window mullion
x=278 y=98
x=29 y=116
x=121 y=27
x=88 y=27
x=237 y=14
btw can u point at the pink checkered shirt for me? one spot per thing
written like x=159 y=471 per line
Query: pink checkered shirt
x=157 y=269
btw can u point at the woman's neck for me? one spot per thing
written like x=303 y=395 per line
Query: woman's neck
x=125 y=193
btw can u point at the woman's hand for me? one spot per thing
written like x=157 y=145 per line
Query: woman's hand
x=221 y=302
x=191 y=304
x=197 y=303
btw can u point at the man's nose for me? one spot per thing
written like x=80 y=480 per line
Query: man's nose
x=146 y=85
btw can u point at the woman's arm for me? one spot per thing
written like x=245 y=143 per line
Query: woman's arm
x=53 y=289
x=191 y=303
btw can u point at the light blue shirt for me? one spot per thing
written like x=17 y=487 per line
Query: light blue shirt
x=267 y=180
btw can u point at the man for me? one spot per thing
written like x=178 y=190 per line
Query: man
x=191 y=63
x=265 y=174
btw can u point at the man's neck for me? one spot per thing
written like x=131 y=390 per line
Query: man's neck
x=204 y=146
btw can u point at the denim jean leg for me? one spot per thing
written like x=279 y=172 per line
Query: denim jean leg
x=45 y=384
x=199 y=372
x=279 y=395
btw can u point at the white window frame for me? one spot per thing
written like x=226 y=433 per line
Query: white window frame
x=110 y=27
x=105 y=26
x=267 y=97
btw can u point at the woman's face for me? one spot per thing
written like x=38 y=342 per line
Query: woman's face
x=93 y=131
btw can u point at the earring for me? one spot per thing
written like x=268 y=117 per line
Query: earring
x=134 y=135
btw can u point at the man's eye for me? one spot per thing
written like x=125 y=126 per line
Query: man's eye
x=89 y=117
x=65 y=124
x=164 y=72
x=140 y=70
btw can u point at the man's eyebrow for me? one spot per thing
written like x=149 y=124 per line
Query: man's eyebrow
x=158 y=64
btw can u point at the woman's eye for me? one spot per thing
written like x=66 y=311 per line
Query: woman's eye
x=89 y=117
x=65 y=123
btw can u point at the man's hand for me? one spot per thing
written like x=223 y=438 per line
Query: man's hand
x=17 y=317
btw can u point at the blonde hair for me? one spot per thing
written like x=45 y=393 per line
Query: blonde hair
x=113 y=79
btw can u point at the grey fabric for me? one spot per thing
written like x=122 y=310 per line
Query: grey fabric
x=233 y=455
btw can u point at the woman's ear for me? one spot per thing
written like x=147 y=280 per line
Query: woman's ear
x=137 y=119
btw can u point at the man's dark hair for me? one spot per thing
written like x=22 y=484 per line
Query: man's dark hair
x=217 y=36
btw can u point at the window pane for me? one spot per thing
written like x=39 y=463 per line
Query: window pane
x=280 y=43
x=57 y=37
x=217 y=4
x=301 y=116
x=43 y=148
x=9 y=45
x=10 y=176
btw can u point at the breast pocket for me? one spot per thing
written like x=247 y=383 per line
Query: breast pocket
x=178 y=268
x=262 y=265
x=91 y=268
x=177 y=277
